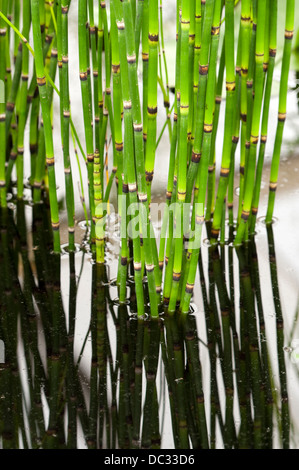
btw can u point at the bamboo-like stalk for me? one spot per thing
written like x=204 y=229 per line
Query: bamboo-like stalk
x=125 y=65
x=134 y=104
x=63 y=8
x=182 y=152
x=85 y=91
x=212 y=163
x=198 y=210
x=50 y=160
x=229 y=111
x=145 y=54
x=255 y=127
x=285 y=67
x=3 y=33
x=153 y=42
x=245 y=33
x=268 y=88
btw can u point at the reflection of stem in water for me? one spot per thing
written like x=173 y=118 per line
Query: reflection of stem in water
x=219 y=276
x=195 y=374
x=266 y=382
x=177 y=355
x=151 y=392
x=138 y=383
x=254 y=356
x=285 y=418
x=125 y=414
x=115 y=410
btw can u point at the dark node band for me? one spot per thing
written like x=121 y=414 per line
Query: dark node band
x=230 y=86
x=116 y=68
x=119 y=146
x=214 y=233
x=208 y=128
x=272 y=187
x=215 y=30
x=245 y=215
x=153 y=37
x=55 y=226
x=137 y=127
x=41 y=81
x=245 y=19
x=189 y=288
x=289 y=34
x=203 y=69
x=195 y=157
x=152 y=110
x=50 y=161
x=282 y=117
x=83 y=76
x=224 y=172
x=131 y=59
x=149 y=176
x=272 y=52
x=254 y=139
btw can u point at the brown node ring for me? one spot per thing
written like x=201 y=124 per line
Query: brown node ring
x=41 y=81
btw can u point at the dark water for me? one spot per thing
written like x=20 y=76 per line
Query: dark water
x=79 y=370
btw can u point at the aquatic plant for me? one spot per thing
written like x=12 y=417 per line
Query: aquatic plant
x=218 y=44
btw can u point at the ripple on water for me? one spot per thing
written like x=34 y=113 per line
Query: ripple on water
x=262 y=220
x=65 y=248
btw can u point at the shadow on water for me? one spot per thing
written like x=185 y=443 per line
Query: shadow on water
x=134 y=383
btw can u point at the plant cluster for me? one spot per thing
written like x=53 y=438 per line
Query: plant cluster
x=215 y=49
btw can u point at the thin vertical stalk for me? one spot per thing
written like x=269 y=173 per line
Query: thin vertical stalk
x=229 y=112
x=50 y=160
x=83 y=68
x=255 y=127
x=153 y=42
x=198 y=209
x=3 y=33
x=182 y=152
x=134 y=104
x=63 y=8
x=265 y=118
x=285 y=67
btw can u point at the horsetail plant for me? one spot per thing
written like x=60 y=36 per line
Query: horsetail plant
x=120 y=97
x=289 y=33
